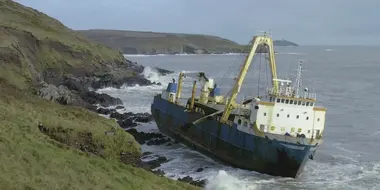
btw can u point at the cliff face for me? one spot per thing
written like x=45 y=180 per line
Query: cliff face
x=39 y=52
x=46 y=145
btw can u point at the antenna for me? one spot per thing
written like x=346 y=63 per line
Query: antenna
x=298 y=79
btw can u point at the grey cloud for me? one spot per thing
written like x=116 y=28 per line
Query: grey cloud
x=303 y=21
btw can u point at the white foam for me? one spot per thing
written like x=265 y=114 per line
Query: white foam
x=224 y=181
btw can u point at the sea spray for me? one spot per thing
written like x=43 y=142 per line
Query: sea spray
x=224 y=181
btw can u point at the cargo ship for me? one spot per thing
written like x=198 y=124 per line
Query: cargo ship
x=274 y=134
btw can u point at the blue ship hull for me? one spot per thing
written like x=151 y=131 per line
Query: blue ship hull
x=228 y=144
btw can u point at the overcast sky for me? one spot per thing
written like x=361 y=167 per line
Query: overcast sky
x=307 y=22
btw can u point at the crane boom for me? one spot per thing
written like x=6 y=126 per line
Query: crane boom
x=200 y=76
x=256 y=41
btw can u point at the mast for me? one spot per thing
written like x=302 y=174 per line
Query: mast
x=298 y=80
x=256 y=41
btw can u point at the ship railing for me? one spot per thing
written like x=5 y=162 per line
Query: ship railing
x=282 y=91
x=288 y=92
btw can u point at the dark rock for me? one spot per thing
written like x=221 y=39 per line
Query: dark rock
x=118 y=116
x=143 y=117
x=142 y=137
x=104 y=111
x=169 y=144
x=119 y=107
x=128 y=119
x=159 y=172
x=127 y=123
x=158 y=141
x=147 y=153
x=104 y=100
x=199 y=169
x=157 y=162
x=188 y=179
x=74 y=84
x=109 y=80
x=199 y=183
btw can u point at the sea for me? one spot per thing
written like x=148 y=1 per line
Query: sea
x=346 y=81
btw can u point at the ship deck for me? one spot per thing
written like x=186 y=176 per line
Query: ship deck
x=212 y=108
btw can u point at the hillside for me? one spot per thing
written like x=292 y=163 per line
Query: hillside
x=135 y=42
x=48 y=139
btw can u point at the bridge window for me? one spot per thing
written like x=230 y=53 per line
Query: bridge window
x=303 y=103
x=311 y=103
x=282 y=100
x=270 y=99
x=278 y=100
x=299 y=102
x=286 y=101
x=265 y=114
x=291 y=102
x=307 y=103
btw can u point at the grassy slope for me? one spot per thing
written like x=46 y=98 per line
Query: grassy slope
x=29 y=158
x=37 y=42
x=161 y=42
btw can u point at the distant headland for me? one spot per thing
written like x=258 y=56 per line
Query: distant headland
x=138 y=42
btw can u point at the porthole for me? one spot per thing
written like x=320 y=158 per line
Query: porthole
x=307 y=118
x=291 y=102
x=239 y=121
x=265 y=114
x=288 y=116
x=278 y=115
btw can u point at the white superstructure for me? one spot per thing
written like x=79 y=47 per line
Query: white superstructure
x=290 y=112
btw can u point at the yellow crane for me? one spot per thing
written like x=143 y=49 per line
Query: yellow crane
x=256 y=41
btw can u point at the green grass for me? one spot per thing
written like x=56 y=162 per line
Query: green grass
x=46 y=28
x=32 y=42
x=32 y=160
x=161 y=42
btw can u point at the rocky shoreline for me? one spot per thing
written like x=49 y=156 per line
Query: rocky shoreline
x=78 y=89
x=130 y=121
